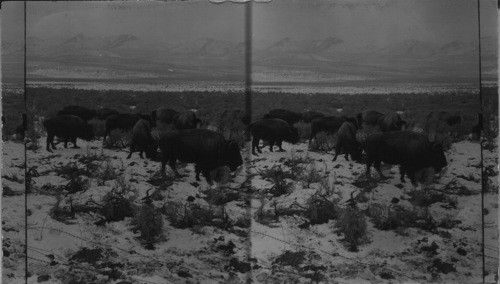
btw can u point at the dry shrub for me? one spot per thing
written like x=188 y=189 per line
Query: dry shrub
x=394 y=216
x=194 y=216
x=118 y=139
x=311 y=175
x=352 y=224
x=149 y=221
x=116 y=206
x=323 y=142
x=106 y=172
x=77 y=184
x=99 y=127
x=304 y=130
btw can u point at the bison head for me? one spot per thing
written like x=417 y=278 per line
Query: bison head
x=234 y=156
x=152 y=151
x=357 y=153
x=455 y=119
x=293 y=136
x=88 y=132
x=438 y=157
x=401 y=125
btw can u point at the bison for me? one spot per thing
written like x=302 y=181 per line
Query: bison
x=391 y=122
x=289 y=116
x=347 y=141
x=207 y=149
x=368 y=117
x=233 y=116
x=82 y=112
x=103 y=113
x=123 y=121
x=142 y=140
x=163 y=115
x=309 y=116
x=186 y=120
x=328 y=124
x=411 y=150
x=273 y=130
x=67 y=127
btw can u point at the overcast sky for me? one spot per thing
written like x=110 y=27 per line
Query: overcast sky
x=379 y=22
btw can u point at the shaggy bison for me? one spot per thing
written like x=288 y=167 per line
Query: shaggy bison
x=368 y=117
x=123 y=121
x=309 y=116
x=163 y=115
x=207 y=149
x=289 y=116
x=103 y=113
x=273 y=130
x=328 y=124
x=347 y=141
x=82 y=112
x=142 y=140
x=412 y=151
x=232 y=116
x=391 y=122
x=186 y=120
x=67 y=127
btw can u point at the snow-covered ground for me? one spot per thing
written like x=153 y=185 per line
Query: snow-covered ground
x=277 y=248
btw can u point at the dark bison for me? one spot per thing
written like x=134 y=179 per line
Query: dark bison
x=309 y=116
x=22 y=128
x=368 y=117
x=82 y=112
x=163 y=115
x=289 y=116
x=67 y=127
x=233 y=125
x=411 y=150
x=207 y=149
x=186 y=120
x=347 y=141
x=273 y=130
x=391 y=122
x=476 y=130
x=434 y=117
x=142 y=140
x=328 y=124
x=123 y=121
x=233 y=116
x=103 y=113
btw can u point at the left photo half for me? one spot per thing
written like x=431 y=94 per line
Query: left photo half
x=15 y=135
x=139 y=149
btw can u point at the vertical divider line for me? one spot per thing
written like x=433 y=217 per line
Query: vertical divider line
x=248 y=114
x=26 y=180
x=480 y=139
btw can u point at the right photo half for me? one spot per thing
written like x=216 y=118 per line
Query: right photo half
x=374 y=134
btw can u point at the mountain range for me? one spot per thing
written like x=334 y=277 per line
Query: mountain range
x=125 y=45
x=206 y=54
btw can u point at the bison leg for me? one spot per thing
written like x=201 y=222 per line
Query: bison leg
x=206 y=174
x=402 y=171
x=377 y=167
x=74 y=143
x=255 y=144
x=271 y=146
x=346 y=156
x=197 y=170
x=50 y=142
x=140 y=154
x=132 y=151
x=413 y=180
x=172 y=166
x=338 y=147
x=279 y=146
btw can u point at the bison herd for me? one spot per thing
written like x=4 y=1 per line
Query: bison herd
x=190 y=140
